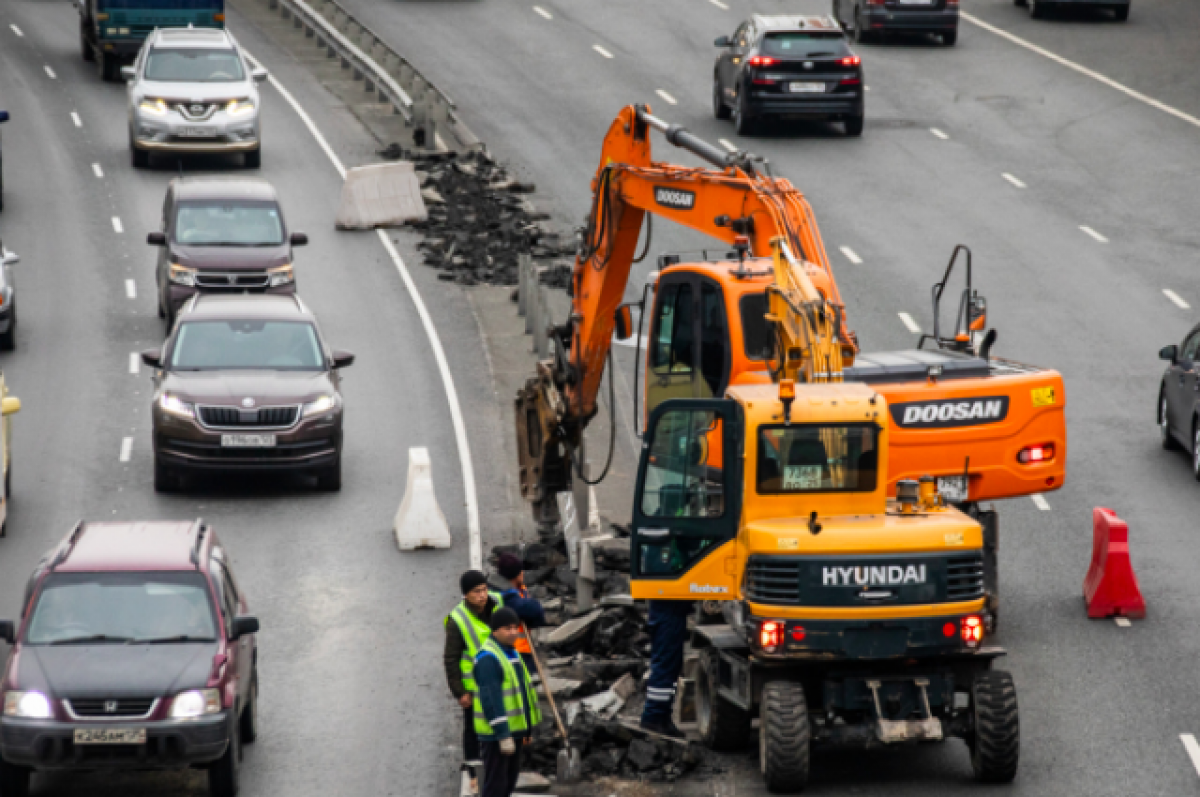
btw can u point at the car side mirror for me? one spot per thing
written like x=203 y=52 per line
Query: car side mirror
x=3 y=116
x=624 y=323
x=8 y=258
x=8 y=631
x=152 y=357
x=1169 y=353
x=342 y=359
x=157 y=239
x=11 y=405
x=244 y=625
x=722 y=41
x=259 y=75
x=128 y=73
x=298 y=239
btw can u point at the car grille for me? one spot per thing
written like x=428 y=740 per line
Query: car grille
x=272 y=417
x=964 y=578
x=770 y=580
x=99 y=708
x=237 y=281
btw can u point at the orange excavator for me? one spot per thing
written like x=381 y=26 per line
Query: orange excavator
x=767 y=310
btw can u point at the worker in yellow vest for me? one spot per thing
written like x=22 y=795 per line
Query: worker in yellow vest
x=506 y=706
x=467 y=630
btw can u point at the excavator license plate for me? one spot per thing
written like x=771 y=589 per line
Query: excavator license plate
x=952 y=488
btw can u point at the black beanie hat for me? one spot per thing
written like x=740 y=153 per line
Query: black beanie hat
x=502 y=617
x=509 y=566
x=470 y=580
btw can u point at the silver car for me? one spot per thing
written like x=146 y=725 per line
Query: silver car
x=192 y=91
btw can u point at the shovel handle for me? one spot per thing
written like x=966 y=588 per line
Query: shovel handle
x=545 y=684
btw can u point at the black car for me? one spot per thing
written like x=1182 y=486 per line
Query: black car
x=1039 y=8
x=868 y=20
x=793 y=66
x=3 y=118
x=1179 y=398
x=8 y=300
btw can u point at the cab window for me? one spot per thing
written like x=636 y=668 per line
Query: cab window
x=817 y=458
x=673 y=331
x=756 y=330
x=684 y=475
x=713 y=337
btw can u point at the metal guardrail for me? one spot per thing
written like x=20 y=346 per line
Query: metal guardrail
x=384 y=71
x=533 y=305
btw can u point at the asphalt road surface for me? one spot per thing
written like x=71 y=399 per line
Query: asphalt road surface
x=996 y=146
x=352 y=694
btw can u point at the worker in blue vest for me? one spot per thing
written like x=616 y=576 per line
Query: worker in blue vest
x=668 y=633
x=467 y=629
x=506 y=706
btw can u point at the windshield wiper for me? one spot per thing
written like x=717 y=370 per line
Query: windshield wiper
x=83 y=640
x=177 y=638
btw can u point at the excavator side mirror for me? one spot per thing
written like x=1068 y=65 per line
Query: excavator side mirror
x=624 y=323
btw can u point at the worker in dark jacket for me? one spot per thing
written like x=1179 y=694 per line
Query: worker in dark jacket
x=506 y=707
x=516 y=597
x=467 y=629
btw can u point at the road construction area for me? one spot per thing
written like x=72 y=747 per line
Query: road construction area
x=1061 y=148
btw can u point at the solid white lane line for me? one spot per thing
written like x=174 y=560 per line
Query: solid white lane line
x=98 y=171
x=1193 y=749
x=117 y=225
x=727 y=144
x=126 y=448
x=50 y=72
x=17 y=30
x=1177 y=299
x=1013 y=180
x=130 y=289
x=851 y=255
x=1100 y=238
x=602 y=51
x=435 y=342
x=719 y=5
x=913 y=326
x=75 y=118
x=666 y=96
x=1083 y=70
x=1040 y=502
x=938 y=133
x=135 y=362
x=1123 y=622
x=543 y=12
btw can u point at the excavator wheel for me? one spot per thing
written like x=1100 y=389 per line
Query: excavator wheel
x=724 y=727
x=784 y=737
x=996 y=741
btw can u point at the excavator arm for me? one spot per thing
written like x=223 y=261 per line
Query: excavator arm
x=737 y=202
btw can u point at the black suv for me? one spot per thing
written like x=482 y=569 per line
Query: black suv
x=134 y=651
x=788 y=66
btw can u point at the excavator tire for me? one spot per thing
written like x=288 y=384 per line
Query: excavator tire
x=996 y=742
x=724 y=727
x=784 y=737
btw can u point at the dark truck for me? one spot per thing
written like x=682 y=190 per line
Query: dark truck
x=112 y=31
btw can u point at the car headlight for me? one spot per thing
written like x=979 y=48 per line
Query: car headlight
x=182 y=275
x=323 y=404
x=153 y=106
x=281 y=275
x=31 y=705
x=239 y=107
x=173 y=405
x=196 y=703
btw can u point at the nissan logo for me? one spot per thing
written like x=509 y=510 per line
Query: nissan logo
x=247 y=402
x=110 y=707
x=197 y=110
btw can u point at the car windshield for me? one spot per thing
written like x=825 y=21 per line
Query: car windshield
x=98 y=608
x=227 y=224
x=247 y=345
x=817 y=458
x=193 y=65
x=805 y=45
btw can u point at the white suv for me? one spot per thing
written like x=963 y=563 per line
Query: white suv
x=191 y=91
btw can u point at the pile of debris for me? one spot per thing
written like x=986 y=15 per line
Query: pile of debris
x=480 y=221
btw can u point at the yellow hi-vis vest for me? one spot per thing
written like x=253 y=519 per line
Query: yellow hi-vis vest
x=514 y=701
x=474 y=633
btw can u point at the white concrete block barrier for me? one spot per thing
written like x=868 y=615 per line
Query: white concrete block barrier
x=419 y=521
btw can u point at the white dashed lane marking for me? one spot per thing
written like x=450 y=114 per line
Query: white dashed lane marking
x=75 y=118
x=719 y=5
x=130 y=289
x=1013 y=180
x=851 y=255
x=1100 y=238
x=1040 y=502
x=913 y=326
x=117 y=225
x=543 y=12
x=938 y=133
x=97 y=171
x=602 y=51
x=16 y=30
x=126 y=448
x=1122 y=621
x=1192 y=748
x=135 y=362
x=50 y=72
x=1177 y=299
x=727 y=144
x=666 y=96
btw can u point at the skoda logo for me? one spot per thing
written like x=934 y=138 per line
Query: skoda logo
x=231 y=279
x=110 y=707
x=247 y=402
x=808 y=64
x=197 y=110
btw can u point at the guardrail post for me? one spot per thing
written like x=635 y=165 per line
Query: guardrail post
x=541 y=341
x=523 y=264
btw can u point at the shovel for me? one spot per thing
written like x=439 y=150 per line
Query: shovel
x=570 y=768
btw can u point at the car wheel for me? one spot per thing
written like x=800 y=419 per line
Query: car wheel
x=249 y=718
x=1196 y=448
x=1121 y=13
x=743 y=123
x=330 y=479
x=8 y=482
x=1169 y=443
x=8 y=340
x=85 y=47
x=253 y=159
x=223 y=774
x=138 y=158
x=1037 y=10
x=1020 y=3
x=14 y=780
x=161 y=312
x=861 y=34
x=166 y=480
x=950 y=38
x=854 y=125
x=720 y=109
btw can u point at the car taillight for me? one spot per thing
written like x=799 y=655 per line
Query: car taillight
x=851 y=60
x=1030 y=454
x=850 y=81
x=762 y=60
x=770 y=635
x=875 y=2
x=972 y=631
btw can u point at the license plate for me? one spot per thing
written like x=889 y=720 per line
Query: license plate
x=806 y=88
x=952 y=488
x=248 y=441
x=198 y=132
x=110 y=736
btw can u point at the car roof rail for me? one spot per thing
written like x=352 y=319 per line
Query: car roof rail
x=67 y=545
x=200 y=535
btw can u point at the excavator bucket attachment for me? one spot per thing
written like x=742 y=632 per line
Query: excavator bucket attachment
x=541 y=453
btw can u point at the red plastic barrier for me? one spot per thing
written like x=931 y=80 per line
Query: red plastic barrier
x=1111 y=587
